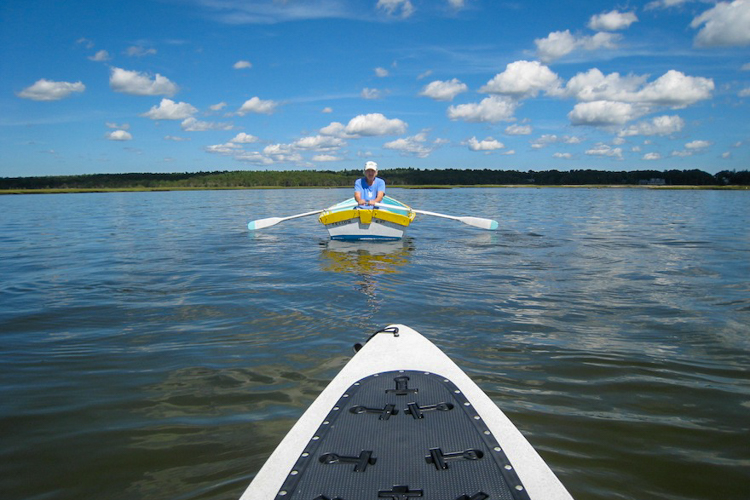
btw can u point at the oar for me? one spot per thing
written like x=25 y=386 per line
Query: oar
x=472 y=221
x=254 y=225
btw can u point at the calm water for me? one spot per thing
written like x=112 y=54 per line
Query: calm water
x=150 y=347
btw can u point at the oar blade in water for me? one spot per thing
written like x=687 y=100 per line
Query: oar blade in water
x=488 y=224
x=254 y=225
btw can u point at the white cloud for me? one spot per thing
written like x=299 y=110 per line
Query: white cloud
x=488 y=144
x=119 y=135
x=660 y=125
x=605 y=150
x=726 y=24
x=744 y=92
x=381 y=72
x=170 y=110
x=516 y=129
x=257 y=105
x=394 y=7
x=674 y=88
x=135 y=83
x=697 y=145
x=681 y=154
x=444 y=90
x=665 y=4
x=218 y=107
x=325 y=158
x=745 y=67
x=375 y=124
x=100 y=56
x=523 y=79
x=651 y=156
x=48 y=90
x=603 y=113
x=327 y=109
x=677 y=90
x=319 y=143
x=612 y=21
x=492 y=109
x=242 y=65
x=243 y=138
x=563 y=156
x=193 y=125
x=561 y=43
x=124 y=126
x=137 y=51
x=414 y=145
x=547 y=139
x=175 y=138
x=371 y=93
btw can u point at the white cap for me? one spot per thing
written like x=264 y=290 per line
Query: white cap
x=371 y=165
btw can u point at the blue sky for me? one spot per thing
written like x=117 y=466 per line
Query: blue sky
x=189 y=85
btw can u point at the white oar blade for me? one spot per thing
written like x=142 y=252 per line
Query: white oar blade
x=490 y=225
x=254 y=225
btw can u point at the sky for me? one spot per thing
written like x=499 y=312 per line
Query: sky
x=101 y=86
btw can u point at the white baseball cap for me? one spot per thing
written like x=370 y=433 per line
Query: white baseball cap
x=371 y=165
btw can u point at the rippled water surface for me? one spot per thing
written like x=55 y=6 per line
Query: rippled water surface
x=151 y=347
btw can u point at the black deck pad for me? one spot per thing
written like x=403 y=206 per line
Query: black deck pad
x=403 y=435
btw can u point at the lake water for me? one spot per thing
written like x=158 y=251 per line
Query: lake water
x=152 y=348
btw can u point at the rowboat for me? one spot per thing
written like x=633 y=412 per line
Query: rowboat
x=402 y=421
x=346 y=221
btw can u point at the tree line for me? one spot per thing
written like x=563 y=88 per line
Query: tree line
x=396 y=176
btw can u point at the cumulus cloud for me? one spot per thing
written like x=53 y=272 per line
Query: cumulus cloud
x=492 y=109
x=170 y=110
x=561 y=43
x=523 y=79
x=488 y=144
x=411 y=146
x=660 y=125
x=138 y=51
x=194 y=125
x=604 y=113
x=665 y=4
x=547 y=139
x=370 y=94
x=563 y=156
x=673 y=89
x=651 y=156
x=218 y=106
x=381 y=72
x=325 y=158
x=48 y=90
x=612 y=21
x=119 y=135
x=444 y=90
x=401 y=8
x=605 y=150
x=100 y=56
x=516 y=129
x=320 y=143
x=243 y=138
x=135 y=83
x=726 y=24
x=257 y=105
x=697 y=144
x=124 y=126
x=375 y=124
x=242 y=65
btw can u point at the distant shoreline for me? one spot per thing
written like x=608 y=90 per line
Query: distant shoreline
x=236 y=188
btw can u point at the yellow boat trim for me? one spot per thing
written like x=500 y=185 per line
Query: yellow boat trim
x=365 y=216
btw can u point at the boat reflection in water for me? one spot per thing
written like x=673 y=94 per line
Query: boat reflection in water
x=368 y=261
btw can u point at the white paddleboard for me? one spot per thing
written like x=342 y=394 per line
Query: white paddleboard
x=402 y=421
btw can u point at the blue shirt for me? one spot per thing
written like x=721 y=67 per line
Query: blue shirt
x=366 y=191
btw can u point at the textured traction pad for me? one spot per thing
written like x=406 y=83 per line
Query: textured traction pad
x=403 y=435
